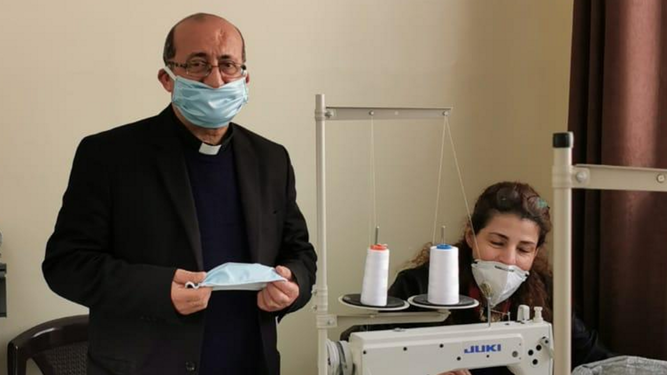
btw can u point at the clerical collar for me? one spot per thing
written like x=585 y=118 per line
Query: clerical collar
x=192 y=142
x=207 y=149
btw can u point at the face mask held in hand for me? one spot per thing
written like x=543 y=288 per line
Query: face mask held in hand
x=239 y=276
x=206 y=106
x=496 y=280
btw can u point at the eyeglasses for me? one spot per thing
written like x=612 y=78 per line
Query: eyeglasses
x=200 y=68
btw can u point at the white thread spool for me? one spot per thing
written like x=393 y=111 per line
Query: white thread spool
x=376 y=274
x=443 y=275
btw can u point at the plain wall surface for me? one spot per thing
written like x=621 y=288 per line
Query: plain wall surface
x=74 y=68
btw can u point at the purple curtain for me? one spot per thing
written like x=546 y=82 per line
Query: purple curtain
x=618 y=113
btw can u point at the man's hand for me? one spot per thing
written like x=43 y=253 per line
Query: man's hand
x=278 y=294
x=188 y=301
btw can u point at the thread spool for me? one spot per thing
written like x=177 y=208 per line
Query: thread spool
x=376 y=274
x=443 y=275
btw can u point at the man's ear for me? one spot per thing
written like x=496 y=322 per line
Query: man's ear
x=247 y=78
x=165 y=80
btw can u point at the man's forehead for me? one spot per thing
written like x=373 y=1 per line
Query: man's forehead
x=208 y=35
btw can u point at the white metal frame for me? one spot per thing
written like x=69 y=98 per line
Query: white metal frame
x=325 y=320
x=566 y=177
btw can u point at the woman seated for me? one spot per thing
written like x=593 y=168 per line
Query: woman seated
x=510 y=223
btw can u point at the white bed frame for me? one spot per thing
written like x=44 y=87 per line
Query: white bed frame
x=566 y=177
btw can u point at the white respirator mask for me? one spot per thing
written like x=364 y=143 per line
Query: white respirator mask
x=497 y=281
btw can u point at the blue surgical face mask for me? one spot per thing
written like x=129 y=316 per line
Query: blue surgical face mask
x=206 y=106
x=239 y=276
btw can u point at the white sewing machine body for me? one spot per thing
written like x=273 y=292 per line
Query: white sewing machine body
x=524 y=347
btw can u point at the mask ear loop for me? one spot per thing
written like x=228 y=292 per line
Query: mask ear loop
x=170 y=73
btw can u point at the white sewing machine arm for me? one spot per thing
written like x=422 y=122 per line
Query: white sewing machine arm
x=525 y=347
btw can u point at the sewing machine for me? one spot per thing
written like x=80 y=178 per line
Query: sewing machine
x=525 y=347
x=402 y=352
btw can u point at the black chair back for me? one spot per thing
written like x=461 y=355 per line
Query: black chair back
x=58 y=347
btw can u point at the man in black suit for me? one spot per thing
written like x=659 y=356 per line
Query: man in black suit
x=152 y=205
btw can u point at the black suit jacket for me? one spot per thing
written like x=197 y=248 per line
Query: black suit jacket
x=128 y=221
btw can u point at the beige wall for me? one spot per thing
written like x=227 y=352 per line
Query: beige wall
x=78 y=67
